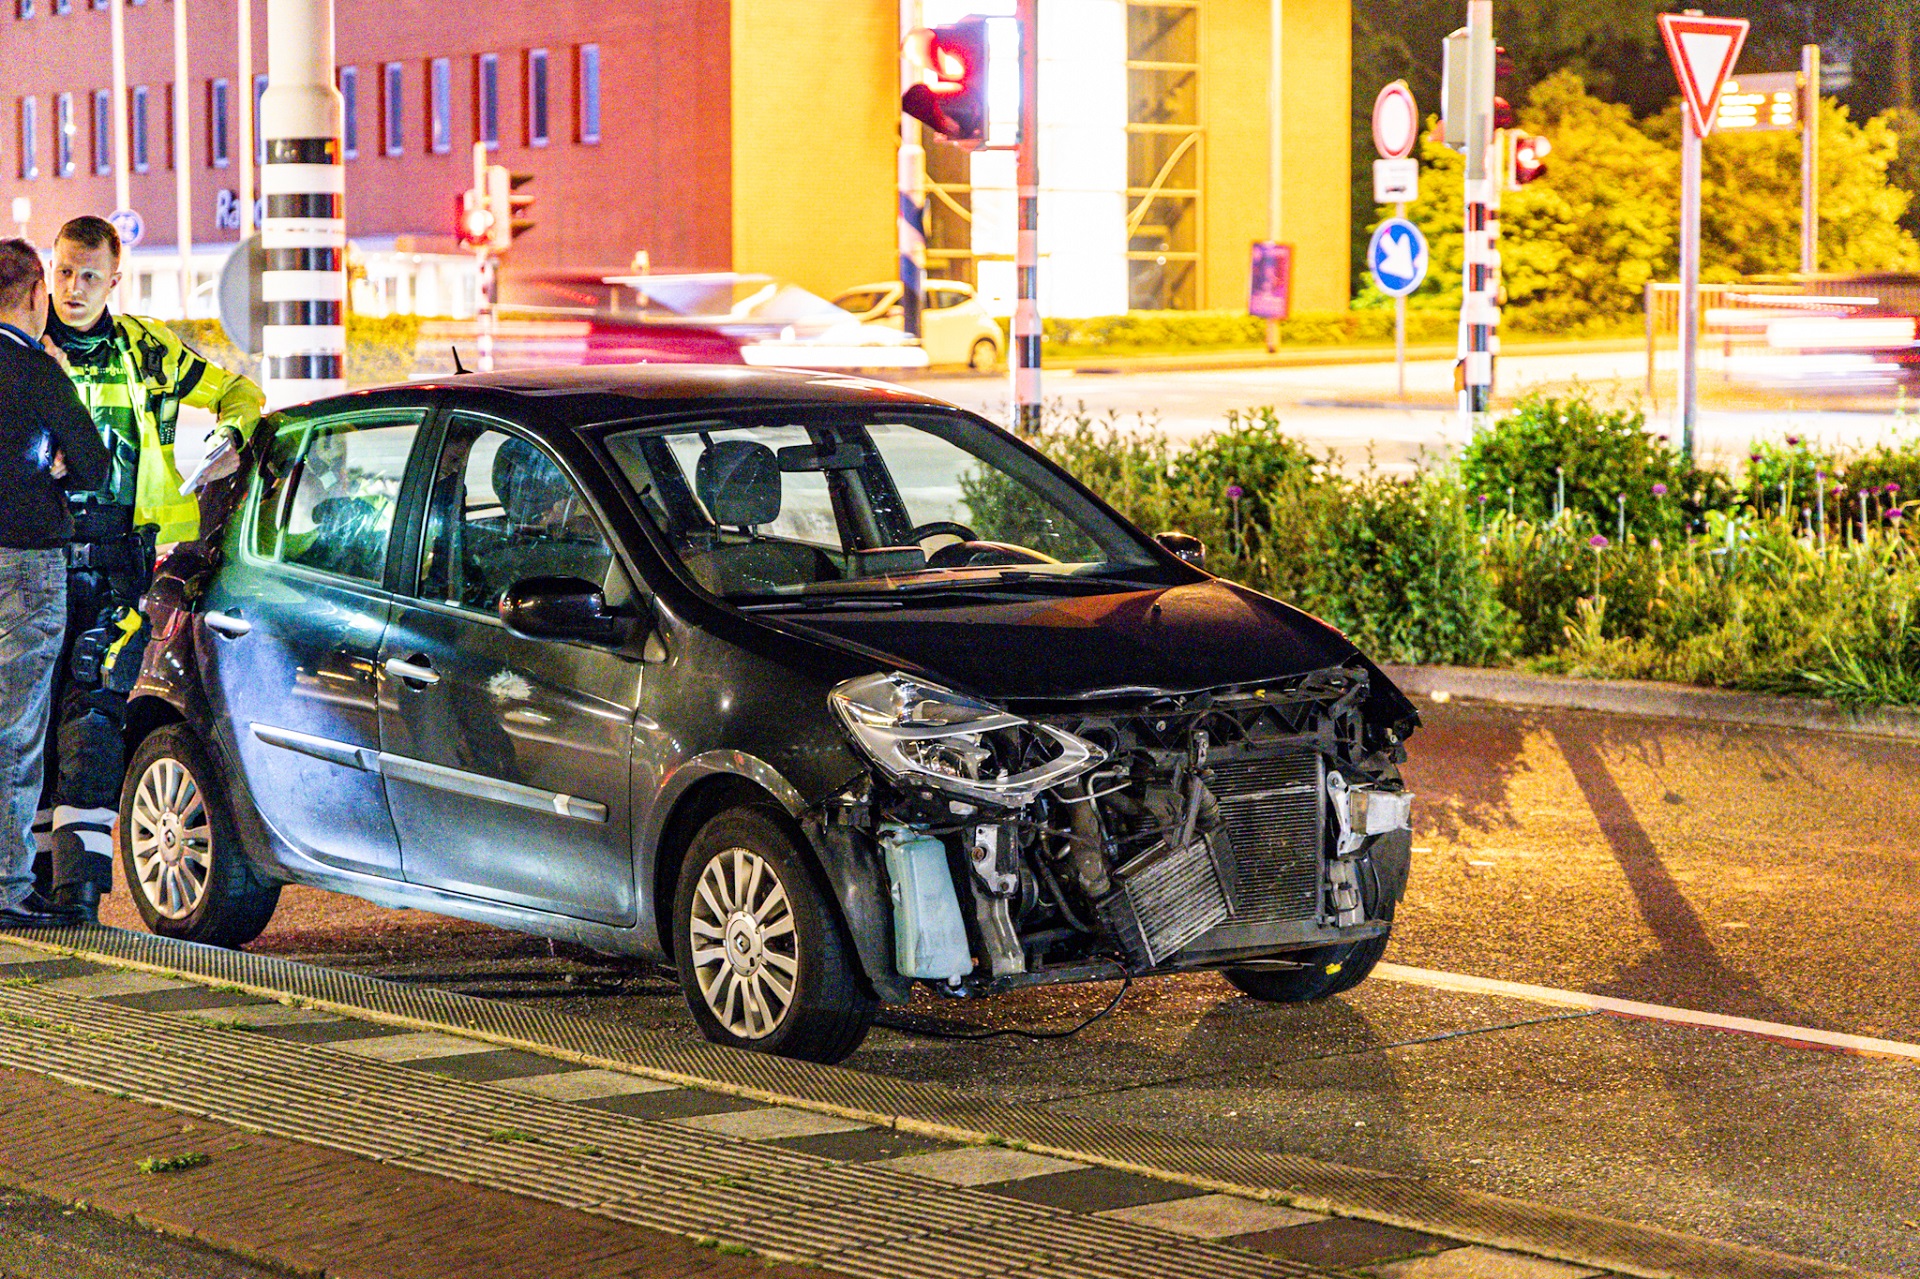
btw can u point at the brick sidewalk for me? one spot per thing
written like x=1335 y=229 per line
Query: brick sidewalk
x=318 y=1211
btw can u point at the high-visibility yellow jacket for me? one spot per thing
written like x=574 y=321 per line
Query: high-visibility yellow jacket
x=135 y=396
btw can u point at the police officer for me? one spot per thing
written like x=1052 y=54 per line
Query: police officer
x=133 y=375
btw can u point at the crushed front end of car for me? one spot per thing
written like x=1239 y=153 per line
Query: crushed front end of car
x=1248 y=828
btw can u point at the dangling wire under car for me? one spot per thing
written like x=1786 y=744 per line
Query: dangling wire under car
x=1016 y=1032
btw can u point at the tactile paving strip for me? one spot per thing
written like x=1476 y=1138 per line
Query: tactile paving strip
x=939 y=1111
x=649 y=1172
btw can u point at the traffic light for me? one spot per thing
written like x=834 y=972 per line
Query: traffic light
x=948 y=66
x=472 y=221
x=507 y=205
x=1524 y=157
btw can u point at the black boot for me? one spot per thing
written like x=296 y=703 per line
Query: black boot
x=80 y=902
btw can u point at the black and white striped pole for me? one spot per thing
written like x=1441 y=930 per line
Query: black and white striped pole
x=1026 y=261
x=304 y=232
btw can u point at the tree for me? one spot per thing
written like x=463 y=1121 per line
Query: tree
x=1750 y=198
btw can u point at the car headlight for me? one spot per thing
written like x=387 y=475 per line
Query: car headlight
x=918 y=733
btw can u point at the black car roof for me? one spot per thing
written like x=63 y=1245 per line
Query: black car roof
x=610 y=392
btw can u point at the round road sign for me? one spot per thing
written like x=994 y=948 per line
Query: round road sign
x=1397 y=256
x=1396 y=121
x=131 y=226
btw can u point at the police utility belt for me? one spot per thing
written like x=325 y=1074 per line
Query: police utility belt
x=103 y=539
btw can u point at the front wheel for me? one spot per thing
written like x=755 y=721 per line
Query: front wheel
x=1326 y=971
x=983 y=356
x=763 y=961
x=180 y=852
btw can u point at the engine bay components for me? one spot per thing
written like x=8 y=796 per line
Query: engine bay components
x=1155 y=832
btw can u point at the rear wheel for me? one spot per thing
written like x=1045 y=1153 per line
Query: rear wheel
x=983 y=356
x=1326 y=971
x=180 y=852
x=763 y=960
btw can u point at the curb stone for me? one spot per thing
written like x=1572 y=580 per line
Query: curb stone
x=1653 y=698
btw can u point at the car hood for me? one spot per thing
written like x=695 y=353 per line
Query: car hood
x=1172 y=640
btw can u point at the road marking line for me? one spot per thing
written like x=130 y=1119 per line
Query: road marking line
x=1799 y=1036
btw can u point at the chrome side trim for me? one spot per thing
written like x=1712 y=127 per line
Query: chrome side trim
x=440 y=777
x=363 y=758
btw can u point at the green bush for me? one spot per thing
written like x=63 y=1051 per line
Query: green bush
x=1422 y=570
x=1170 y=331
x=1600 y=455
x=379 y=348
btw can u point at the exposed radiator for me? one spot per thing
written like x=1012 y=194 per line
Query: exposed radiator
x=1275 y=809
x=1164 y=900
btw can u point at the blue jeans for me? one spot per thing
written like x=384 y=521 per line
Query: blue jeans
x=33 y=620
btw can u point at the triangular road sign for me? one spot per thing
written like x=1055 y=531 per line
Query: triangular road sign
x=1703 y=52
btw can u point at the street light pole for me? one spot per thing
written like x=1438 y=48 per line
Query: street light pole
x=1275 y=148
x=182 y=160
x=1026 y=307
x=1477 y=311
x=304 y=233
x=1689 y=280
x=247 y=144
x=122 y=179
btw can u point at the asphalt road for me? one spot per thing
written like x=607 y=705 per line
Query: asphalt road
x=1356 y=410
x=1752 y=872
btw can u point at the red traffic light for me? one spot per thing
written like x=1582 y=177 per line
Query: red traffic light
x=1502 y=114
x=1529 y=158
x=947 y=67
x=472 y=221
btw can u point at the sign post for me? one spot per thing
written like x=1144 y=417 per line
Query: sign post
x=1396 y=180
x=1398 y=257
x=1809 y=158
x=1703 y=51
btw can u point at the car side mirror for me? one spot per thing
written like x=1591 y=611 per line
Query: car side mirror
x=1184 y=545
x=564 y=608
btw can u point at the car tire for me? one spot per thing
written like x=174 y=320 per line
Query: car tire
x=180 y=852
x=1327 y=971
x=984 y=356
x=764 y=962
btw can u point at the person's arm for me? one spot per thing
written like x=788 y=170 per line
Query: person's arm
x=75 y=437
x=234 y=400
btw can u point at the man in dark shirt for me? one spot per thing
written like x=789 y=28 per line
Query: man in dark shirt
x=47 y=442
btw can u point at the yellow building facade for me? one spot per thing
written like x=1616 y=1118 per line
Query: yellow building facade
x=1154 y=151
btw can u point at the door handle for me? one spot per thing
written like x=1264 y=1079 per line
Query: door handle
x=230 y=625
x=403 y=668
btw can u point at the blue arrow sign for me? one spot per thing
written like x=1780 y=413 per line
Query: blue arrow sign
x=1397 y=256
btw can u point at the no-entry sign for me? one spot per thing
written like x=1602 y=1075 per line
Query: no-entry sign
x=1396 y=121
x=1703 y=50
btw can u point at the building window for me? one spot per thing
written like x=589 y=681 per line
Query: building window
x=63 y=6
x=24 y=9
x=586 y=94
x=102 y=131
x=217 y=99
x=350 y=112
x=137 y=130
x=63 y=136
x=393 y=108
x=440 y=104
x=259 y=138
x=29 y=138
x=536 y=97
x=1164 y=161
x=486 y=100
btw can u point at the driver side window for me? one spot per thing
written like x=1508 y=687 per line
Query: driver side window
x=501 y=511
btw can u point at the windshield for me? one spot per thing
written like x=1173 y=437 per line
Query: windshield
x=839 y=503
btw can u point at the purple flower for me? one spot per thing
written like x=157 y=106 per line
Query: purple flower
x=1793 y=441
x=1893 y=488
x=1483 y=499
x=1234 y=493
x=1820 y=476
x=1753 y=457
x=1895 y=513
x=1598 y=541
x=1659 y=490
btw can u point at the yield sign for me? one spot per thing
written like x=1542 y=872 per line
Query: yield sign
x=1703 y=52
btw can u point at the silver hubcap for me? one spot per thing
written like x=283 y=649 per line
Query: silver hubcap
x=171 y=842
x=745 y=949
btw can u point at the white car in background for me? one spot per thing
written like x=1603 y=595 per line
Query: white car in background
x=956 y=329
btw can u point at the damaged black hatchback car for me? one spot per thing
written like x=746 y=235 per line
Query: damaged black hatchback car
x=814 y=686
